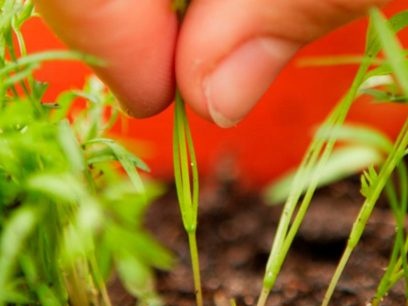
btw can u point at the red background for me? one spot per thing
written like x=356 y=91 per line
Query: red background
x=274 y=136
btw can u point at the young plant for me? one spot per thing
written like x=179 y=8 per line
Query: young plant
x=185 y=165
x=373 y=183
x=319 y=152
x=316 y=157
x=186 y=174
x=69 y=218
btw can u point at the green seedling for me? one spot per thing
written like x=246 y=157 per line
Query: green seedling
x=69 y=217
x=186 y=175
x=397 y=266
x=373 y=183
x=318 y=155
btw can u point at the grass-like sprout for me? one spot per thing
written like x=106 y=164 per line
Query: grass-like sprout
x=186 y=176
x=374 y=183
x=307 y=178
x=397 y=266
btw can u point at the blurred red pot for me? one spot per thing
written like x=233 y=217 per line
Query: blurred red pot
x=275 y=135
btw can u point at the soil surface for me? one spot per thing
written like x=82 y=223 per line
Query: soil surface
x=236 y=229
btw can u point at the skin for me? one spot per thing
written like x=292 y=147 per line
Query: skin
x=224 y=56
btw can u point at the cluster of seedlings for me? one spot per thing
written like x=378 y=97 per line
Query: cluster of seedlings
x=72 y=200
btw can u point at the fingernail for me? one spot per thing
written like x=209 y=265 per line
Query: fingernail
x=241 y=79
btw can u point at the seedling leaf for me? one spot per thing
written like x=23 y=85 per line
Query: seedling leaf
x=392 y=47
x=137 y=279
x=14 y=236
x=128 y=161
x=342 y=163
x=58 y=187
x=70 y=146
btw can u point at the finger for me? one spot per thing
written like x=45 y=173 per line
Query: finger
x=230 y=51
x=135 y=38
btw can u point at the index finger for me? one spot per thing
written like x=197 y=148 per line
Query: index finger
x=135 y=38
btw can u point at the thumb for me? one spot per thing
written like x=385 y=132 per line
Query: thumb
x=230 y=51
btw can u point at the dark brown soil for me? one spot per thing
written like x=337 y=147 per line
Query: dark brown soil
x=236 y=229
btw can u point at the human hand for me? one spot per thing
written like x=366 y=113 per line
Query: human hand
x=224 y=56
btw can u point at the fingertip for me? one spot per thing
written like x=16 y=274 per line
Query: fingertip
x=135 y=38
x=238 y=82
x=224 y=70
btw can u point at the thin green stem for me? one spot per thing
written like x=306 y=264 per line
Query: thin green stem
x=36 y=58
x=403 y=178
x=99 y=280
x=27 y=88
x=393 y=264
x=263 y=297
x=336 y=276
x=195 y=263
x=398 y=254
x=74 y=281
x=358 y=227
